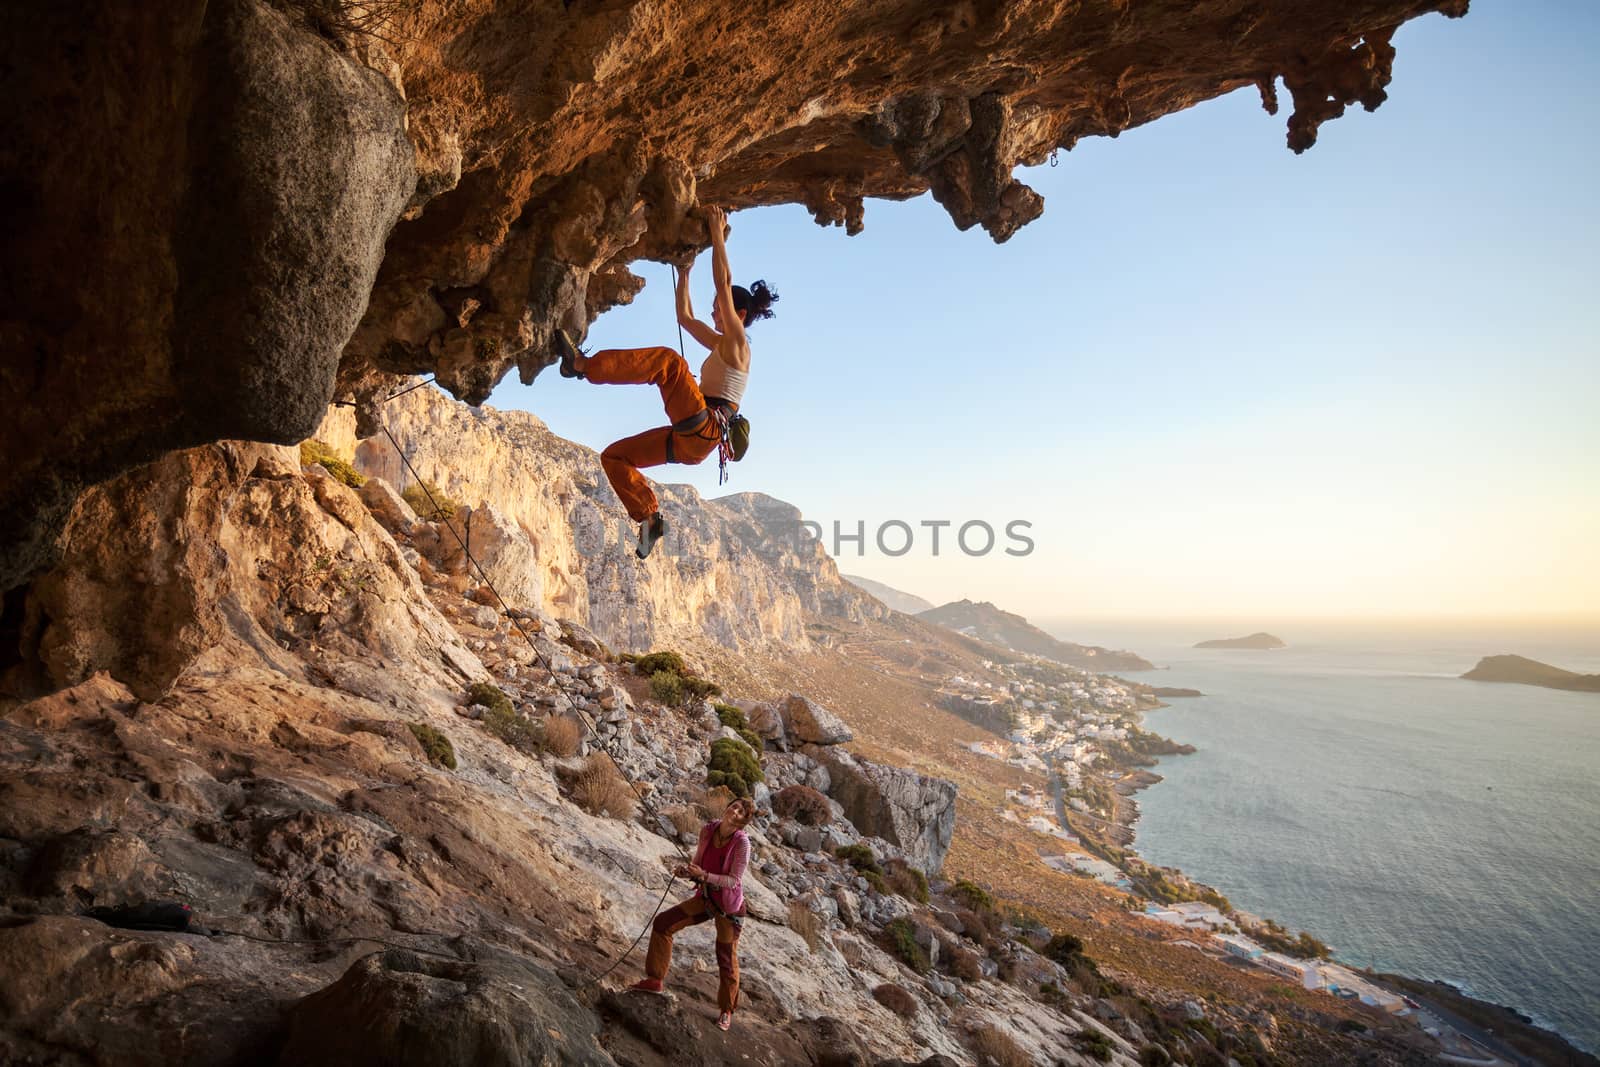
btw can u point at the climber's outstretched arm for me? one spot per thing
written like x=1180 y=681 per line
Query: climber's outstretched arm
x=697 y=329
x=721 y=275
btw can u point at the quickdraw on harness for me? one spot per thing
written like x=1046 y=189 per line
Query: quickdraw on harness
x=733 y=433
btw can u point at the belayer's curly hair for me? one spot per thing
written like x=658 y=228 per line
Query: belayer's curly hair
x=755 y=302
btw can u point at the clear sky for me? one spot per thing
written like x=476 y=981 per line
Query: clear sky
x=1218 y=379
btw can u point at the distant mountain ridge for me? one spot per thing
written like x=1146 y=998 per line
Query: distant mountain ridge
x=988 y=623
x=893 y=598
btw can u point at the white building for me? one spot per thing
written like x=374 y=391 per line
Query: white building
x=1307 y=972
x=1239 y=945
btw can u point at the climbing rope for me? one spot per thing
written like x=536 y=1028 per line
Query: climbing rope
x=588 y=722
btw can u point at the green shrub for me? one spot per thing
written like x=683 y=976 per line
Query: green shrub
x=731 y=716
x=1064 y=949
x=429 y=501
x=441 y=753
x=649 y=664
x=1093 y=1043
x=753 y=739
x=501 y=719
x=907 y=881
x=667 y=688
x=489 y=695
x=874 y=878
x=1154 y=1056
x=315 y=452
x=511 y=727
x=974 y=897
x=733 y=764
x=860 y=857
x=902 y=938
x=701 y=688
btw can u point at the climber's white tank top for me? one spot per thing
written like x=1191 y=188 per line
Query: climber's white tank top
x=719 y=379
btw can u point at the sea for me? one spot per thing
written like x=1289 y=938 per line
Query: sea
x=1353 y=785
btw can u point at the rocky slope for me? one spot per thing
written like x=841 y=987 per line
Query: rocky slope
x=220 y=210
x=1005 y=629
x=262 y=744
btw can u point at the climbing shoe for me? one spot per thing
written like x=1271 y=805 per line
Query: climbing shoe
x=651 y=530
x=646 y=985
x=725 y=1020
x=569 y=353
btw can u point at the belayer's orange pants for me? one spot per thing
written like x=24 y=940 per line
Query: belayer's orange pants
x=692 y=911
x=680 y=395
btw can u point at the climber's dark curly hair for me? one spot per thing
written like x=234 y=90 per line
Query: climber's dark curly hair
x=755 y=302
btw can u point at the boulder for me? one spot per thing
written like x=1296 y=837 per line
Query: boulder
x=911 y=811
x=504 y=552
x=812 y=723
x=404 y=1008
x=767 y=721
x=580 y=639
x=849 y=905
x=832 y=1043
x=388 y=506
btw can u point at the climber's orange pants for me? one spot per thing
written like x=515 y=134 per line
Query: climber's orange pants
x=680 y=395
x=658 y=957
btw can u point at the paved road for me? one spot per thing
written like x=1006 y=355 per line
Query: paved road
x=1447 y=1022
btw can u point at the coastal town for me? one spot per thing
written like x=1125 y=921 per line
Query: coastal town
x=1082 y=732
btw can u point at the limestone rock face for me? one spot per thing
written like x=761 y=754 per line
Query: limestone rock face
x=229 y=549
x=912 y=811
x=399 y=1007
x=730 y=570
x=197 y=202
x=502 y=549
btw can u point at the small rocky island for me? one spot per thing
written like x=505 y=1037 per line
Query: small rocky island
x=1255 y=640
x=1524 y=671
x=1170 y=691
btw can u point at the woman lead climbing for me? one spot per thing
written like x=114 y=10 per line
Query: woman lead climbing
x=719 y=864
x=700 y=412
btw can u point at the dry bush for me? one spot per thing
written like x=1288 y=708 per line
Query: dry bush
x=977 y=927
x=896 y=998
x=960 y=962
x=996 y=1048
x=683 y=818
x=906 y=880
x=599 y=788
x=716 y=802
x=562 y=736
x=806 y=923
x=802 y=804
